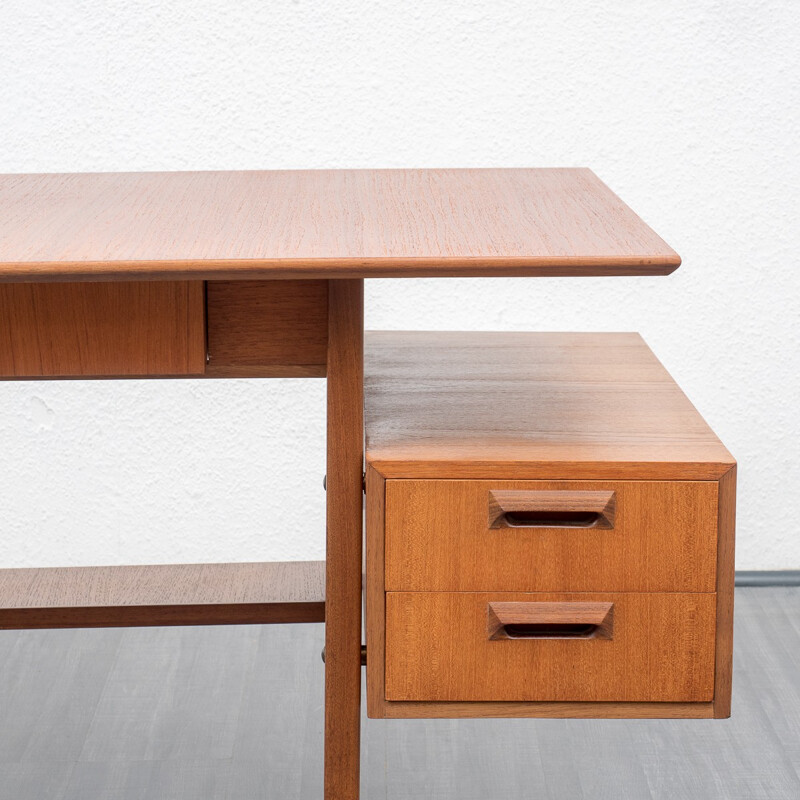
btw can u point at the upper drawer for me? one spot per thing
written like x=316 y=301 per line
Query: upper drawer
x=52 y=330
x=634 y=536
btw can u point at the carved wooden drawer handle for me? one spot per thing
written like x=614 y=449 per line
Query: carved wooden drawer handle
x=541 y=620
x=551 y=509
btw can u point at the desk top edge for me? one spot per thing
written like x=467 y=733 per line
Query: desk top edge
x=282 y=224
x=334 y=268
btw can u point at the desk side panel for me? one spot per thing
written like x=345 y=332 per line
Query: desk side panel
x=726 y=533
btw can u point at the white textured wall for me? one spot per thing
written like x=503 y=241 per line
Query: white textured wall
x=689 y=110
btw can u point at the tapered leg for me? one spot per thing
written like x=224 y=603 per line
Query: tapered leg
x=344 y=521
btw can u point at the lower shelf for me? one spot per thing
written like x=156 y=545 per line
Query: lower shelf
x=171 y=594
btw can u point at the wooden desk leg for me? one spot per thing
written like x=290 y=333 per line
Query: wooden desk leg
x=344 y=532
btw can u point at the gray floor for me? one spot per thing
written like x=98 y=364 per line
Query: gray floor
x=235 y=713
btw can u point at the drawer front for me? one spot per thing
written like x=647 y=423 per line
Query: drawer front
x=634 y=536
x=443 y=646
x=147 y=328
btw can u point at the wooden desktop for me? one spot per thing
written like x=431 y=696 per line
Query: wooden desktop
x=549 y=523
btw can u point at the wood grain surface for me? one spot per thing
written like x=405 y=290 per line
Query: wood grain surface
x=540 y=619
x=530 y=405
x=323 y=224
x=438 y=538
x=267 y=328
x=539 y=508
x=725 y=583
x=545 y=710
x=452 y=418
x=171 y=594
x=345 y=464
x=662 y=650
x=375 y=591
x=375 y=614
x=102 y=329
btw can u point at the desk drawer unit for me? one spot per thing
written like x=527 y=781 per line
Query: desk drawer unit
x=588 y=572
x=528 y=598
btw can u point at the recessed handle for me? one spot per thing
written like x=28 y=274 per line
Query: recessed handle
x=543 y=620
x=551 y=509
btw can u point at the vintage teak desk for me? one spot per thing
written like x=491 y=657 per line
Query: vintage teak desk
x=549 y=522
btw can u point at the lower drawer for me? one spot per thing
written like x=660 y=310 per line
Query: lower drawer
x=499 y=646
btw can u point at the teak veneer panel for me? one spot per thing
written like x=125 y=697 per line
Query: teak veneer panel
x=101 y=329
x=375 y=590
x=725 y=593
x=663 y=539
x=661 y=650
x=556 y=406
x=267 y=328
x=501 y=410
x=344 y=536
x=321 y=224
x=169 y=594
x=571 y=710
